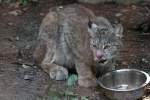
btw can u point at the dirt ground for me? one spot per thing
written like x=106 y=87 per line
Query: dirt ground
x=21 y=79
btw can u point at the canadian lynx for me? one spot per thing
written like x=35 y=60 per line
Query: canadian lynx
x=73 y=37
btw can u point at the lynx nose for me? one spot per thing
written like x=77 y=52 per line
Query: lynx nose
x=99 y=54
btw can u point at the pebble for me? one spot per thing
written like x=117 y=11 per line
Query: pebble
x=35 y=67
x=41 y=14
x=61 y=7
x=20 y=60
x=27 y=77
x=10 y=23
x=133 y=7
x=124 y=10
x=124 y=63
x=118 y=14
x=15 y=12
x=17 y=38
x=27 y=47
x=25 y=66
x=25 y=9
x=144 y=60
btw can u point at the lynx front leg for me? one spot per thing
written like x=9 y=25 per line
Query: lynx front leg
x=55 y=71
x=85 y=75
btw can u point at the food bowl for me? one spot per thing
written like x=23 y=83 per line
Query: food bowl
x=124 y=84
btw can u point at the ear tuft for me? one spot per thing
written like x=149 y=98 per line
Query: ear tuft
x=90 y=23
x=92 y=28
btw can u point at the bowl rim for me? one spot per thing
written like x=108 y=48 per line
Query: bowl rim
x=121 y=70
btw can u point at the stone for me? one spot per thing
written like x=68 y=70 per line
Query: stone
x=25 y=66
x=41 y=14
x=28 y=77
x=10 y=24
x=27 y=47
x=17 y=38
x=61 y=7
x=144 y=60
x=118 y=14
x=15 y=12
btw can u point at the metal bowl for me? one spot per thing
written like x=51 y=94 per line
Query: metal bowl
x=124 y=84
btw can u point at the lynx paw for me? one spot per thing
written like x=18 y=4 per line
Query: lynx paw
x=87 y=82
x=58 y=73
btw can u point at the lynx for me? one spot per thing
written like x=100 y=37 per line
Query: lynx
x=72 y=37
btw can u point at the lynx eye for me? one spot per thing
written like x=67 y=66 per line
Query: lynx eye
x=93 y=43
x=106 y=47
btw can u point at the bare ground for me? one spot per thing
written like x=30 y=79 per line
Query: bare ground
x=18 y=37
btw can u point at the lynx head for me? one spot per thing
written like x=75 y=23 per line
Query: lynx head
x=105 y=39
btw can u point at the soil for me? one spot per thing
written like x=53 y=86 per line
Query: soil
x=21 y=79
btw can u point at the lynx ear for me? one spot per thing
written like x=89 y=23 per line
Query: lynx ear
x=92 y=28
x=118 y=30
x=103 y=21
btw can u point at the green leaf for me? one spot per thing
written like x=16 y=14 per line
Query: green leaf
x=52 y=98
x=71 y=98
x=74 y=98
x=69 y=93
x=25 y=2
x=84 y=98
x=56 y=98
x=72 y=80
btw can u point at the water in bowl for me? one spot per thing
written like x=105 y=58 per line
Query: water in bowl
x=121 y=87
